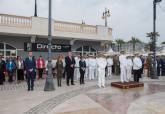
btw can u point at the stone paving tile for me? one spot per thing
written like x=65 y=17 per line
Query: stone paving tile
x=48 y=105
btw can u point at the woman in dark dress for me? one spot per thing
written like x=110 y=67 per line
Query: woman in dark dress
x=20 y=69
x=60 y=69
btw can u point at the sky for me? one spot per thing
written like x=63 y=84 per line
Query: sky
x=128 y=17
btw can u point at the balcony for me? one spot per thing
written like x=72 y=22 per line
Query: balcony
x=29 y=26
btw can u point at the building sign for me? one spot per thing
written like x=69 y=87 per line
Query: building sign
x=41 y=47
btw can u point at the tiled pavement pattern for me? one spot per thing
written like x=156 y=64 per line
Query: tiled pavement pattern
x=21 y=86
x=46 y=105
x=39 y=85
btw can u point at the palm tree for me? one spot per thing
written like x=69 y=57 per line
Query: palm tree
x=133 y=41
x=152 y=35
x=119 y=42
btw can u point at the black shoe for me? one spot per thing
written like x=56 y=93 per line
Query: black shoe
x=67 y=84
x=72 y=84
x=28 y=89
x=32 y=89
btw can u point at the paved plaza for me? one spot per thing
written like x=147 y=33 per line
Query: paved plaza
x=86 y=99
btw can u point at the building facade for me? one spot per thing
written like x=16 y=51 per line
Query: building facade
x=18 y=34
x=128 y=47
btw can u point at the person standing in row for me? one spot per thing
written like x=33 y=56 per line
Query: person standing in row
x=10 y=66
x=54 y=61
x=20 y=69
x=122 y=59
x=146 y=66
x=92 y=67
x=59 y=68
x=101 y=65
x=129 y=65
x=30 y=65
x=70 y=63
x=109 y=66
x=82 y=69
x=40 y=67
x=87 y=67
x=163 y=65
x=2 y=70
x=116 y=65
x=137 y=65
x=158 y=65
x=76 y=68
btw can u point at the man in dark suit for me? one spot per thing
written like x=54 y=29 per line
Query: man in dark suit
x=30 y=66
x=70 y=63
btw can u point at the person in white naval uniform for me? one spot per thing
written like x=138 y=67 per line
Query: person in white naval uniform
x=101 y=65
x=87 y=67
x=95 y=67
x=109 y=66
x=122 y=60
x=137 y=65
x=129 y=65
x=91 y=68
x=76 y=69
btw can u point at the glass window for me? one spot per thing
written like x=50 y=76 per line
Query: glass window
x=7 y=53
x=86 y=48
x=93 y=50
x=1 y=53
x=79 y=49
x=1 y=45
x=9 y=47
x=13 y=53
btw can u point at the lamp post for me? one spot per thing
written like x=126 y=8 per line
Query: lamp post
x=35 y=11
x=106 y=14
x=49 y=85
x=154 y=38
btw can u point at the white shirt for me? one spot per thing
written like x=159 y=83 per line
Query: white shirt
x=101 y=63
x=94 y=63
x=122 y=59
x=63 y=60
x=77 y=61
x=19 y=64
x=87 y=62
x=109 y=62
x=137 y=63
x=129 y=63
x=54 y=61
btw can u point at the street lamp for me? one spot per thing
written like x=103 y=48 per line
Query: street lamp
x=106 y=14
x=154 y=37
x=49 y=85
x=35 y=10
